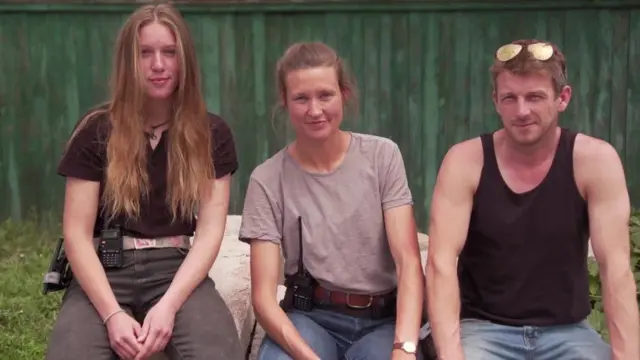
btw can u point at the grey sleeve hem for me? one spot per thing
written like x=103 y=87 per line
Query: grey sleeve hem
x=248 y=239
x=397 y=202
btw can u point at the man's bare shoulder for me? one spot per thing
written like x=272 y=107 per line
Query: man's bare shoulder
x=591 y=153
x=469 y=150
x=463 y=163
x=595 y=162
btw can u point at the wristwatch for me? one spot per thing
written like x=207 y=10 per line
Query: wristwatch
x=406 y=346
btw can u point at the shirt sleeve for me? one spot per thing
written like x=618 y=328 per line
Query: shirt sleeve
x=395 y=187
x=225 y=160
x=83 y=156
x=261 y=215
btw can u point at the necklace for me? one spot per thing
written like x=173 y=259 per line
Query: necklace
x=152 y=134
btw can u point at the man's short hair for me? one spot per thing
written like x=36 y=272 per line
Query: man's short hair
x=529 y=56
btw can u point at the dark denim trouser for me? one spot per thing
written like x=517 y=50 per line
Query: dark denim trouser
x=204 y=327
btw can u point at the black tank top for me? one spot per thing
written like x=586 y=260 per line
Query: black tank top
x=525 y=258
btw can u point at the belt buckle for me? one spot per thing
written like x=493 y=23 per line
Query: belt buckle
x=357 y=306
x=144 y=243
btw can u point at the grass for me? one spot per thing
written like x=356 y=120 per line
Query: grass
x=26 y=316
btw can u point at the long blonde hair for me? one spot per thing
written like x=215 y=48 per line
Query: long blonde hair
x=190 y=165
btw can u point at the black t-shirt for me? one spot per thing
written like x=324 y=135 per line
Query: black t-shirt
x=85 y=158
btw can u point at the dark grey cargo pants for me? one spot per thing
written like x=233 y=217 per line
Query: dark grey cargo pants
x=203 y=329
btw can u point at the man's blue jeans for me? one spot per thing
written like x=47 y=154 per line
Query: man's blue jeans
x=335 y=336
x=486 y=340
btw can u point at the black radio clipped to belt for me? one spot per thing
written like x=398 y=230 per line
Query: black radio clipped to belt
x=110 y=253
x=110 y=247
x=300 y=286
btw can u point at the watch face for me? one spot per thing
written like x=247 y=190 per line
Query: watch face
x=409 y=347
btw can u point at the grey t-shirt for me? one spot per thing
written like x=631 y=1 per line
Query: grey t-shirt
x=345 y=244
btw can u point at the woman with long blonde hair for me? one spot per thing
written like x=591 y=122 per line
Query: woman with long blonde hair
x=137 y=170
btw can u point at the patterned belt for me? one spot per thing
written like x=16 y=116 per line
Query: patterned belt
x=131 y=243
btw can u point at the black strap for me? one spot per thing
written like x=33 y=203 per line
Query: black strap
x=301 y=268
x=488 y=150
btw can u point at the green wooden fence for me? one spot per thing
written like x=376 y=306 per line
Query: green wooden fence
x=422 y=70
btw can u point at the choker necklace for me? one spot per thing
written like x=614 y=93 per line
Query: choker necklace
x=152 y=134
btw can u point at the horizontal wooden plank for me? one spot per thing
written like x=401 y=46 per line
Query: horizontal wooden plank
x=105 y=6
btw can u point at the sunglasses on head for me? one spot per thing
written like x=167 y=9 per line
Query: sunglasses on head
x=540 y=51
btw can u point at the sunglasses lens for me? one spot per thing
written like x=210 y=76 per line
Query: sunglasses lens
x=508 y=52
x=541 y=51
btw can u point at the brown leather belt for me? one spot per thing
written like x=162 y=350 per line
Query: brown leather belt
x=354 y=301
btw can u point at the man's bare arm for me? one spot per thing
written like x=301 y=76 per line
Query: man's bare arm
x=449 y=222
x=609 y=210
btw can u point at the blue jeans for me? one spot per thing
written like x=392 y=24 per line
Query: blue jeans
x=335 y=336
x=485 y=340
